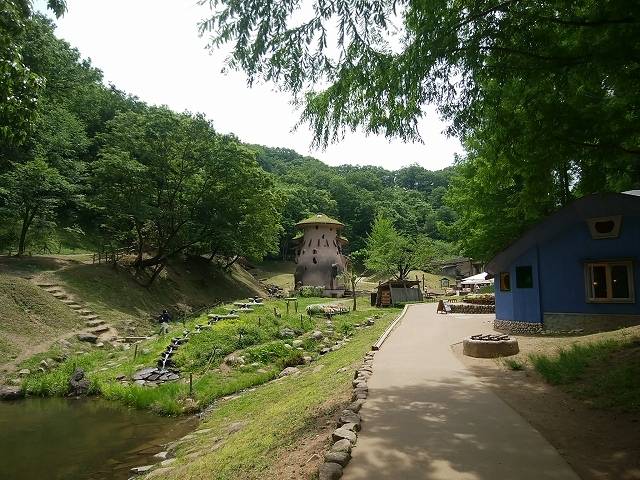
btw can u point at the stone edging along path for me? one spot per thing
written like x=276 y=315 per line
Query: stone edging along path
x=345 y=436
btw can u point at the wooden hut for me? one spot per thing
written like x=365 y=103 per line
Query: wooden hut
x=393 y=292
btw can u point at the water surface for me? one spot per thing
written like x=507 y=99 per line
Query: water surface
x=78 y=439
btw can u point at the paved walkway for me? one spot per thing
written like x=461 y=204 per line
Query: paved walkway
x=428 y=417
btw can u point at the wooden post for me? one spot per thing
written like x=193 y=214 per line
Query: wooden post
x=190 y=384
x=135 y=351
x=296 y=305
x=301 y=322
x=259 y=320
x=287 y=307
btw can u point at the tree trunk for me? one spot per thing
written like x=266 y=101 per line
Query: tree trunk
x=26 y=223
x=156 y=271
x=228 y=265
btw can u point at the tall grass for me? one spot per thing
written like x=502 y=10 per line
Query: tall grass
x=606 y=374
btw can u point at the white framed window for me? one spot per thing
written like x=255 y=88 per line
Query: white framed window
x=609 y=281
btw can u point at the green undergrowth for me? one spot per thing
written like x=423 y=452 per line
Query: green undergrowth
x=261 y=344
x=606 y=374
x=273 y=417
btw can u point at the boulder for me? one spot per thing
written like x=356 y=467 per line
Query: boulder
x=349 y=416
x=144 y=373
x=329 y=471
x=317 y=335
x=344 y=434
x=370 y=322
x=324 y=351
x=297 y=343
x=353 y=426
x=341 y=458
x=78 y=383
x=342 y=445
x=356 y=405
x=287 y=333
x=87 y=337
x=289 y=371
x=10 y=392
x=142 y=469
x=24 y=372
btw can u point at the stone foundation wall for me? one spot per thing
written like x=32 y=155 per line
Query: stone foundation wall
x=587 y=323
x=470 y=308
x=517 y=328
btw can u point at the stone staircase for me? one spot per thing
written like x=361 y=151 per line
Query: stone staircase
x=96 y=331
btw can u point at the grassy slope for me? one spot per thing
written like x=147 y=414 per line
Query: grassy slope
x=275 y=272
x=606 y=373
x=273 y=417
x=29 y=316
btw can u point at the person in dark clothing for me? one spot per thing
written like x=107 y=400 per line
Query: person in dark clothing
x=164 y=317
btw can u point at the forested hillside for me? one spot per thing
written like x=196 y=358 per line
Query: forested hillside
x=411 y=197
x=96 y=169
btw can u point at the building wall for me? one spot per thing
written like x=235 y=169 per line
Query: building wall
x=320 y=243
x=562 y=262
x=520 y=304
x=558 y=296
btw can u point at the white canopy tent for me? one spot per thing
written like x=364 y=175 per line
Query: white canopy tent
x=479 y=279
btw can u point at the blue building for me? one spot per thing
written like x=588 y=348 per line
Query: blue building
x=577 y=269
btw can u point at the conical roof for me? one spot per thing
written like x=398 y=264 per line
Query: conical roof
x=319 y=219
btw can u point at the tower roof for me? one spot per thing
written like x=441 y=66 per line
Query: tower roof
x=319 y=219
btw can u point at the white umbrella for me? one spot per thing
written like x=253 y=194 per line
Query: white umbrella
x=479 y=279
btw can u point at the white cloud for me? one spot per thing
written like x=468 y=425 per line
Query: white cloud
x=151 y=48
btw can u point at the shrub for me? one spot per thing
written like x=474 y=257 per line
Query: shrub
x=310 y=291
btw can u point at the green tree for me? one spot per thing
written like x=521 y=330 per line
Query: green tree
x=392 y=253
x=20 y=86
x=31 y=192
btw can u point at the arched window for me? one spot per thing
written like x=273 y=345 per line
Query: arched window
x=314 y=260
x=315 y=251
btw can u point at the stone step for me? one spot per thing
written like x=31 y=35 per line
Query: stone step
x=46 y=284
x=92 y=316
x=74 y=306
x=67 y=301
x=52 y=289
x=85 y=311
x=94 y=323
x=60 y=295
x=100 y=329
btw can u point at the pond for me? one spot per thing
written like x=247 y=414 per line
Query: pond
x=77 y=439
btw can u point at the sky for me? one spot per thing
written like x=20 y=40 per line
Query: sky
x=152 y=49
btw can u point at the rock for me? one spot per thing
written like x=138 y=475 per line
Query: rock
x=161 y=455
x=87 y=337
x=288 y=347
x=100 y=344
x=317 y=335
x=353 y=426
x=78 y=383
x=287 y=333
x=10 y=392
x=144 y=373
x=343 y=433
x=341 y=458
x=167 y=462
x=24 y=372
x=146 y=351
x=329 y=471
x=297 y=343
x=289 y=371
x=142 y=469
x=324 y=351
x=370 y=322
x=349 y=416
x=356 y=405
x=343 y=445
x=307 y=359
x=44 y=364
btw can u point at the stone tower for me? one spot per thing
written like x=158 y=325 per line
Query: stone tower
x=319 y=255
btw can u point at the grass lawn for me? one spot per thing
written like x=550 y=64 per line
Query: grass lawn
x=606 y=374
x=263 y=338
x=244 y=437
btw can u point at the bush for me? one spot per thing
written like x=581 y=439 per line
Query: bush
x=310 y=291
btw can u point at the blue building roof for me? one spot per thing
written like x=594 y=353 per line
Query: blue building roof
x=590 y=206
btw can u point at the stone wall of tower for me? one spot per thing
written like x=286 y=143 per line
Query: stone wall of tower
x=316 y=256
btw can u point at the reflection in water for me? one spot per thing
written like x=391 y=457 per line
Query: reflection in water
x=78 y=439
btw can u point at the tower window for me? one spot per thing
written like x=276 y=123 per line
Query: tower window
x=314 y=260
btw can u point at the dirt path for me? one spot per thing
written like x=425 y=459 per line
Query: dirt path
x=428 y=417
